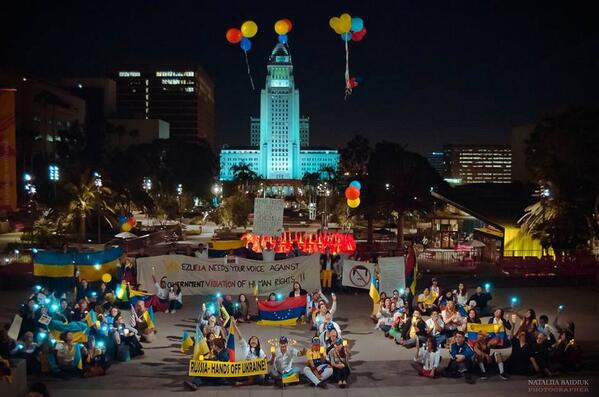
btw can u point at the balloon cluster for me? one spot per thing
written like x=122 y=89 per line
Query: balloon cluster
x=353 y=29
x=352 y=194
x=282 y=27
x=348 y=28
x=126 y=222
x=242 y=36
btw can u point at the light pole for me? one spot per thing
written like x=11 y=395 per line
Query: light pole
x=179 y=193
x=54 y=176
x=147 y=185
x=217 y=191
x=98 y=184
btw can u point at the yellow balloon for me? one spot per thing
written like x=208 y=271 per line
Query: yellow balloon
x=125 y=227
x=281 y=27
x=106 y=277
x=353 y=203
x=334 y=22
x=345 y=23
x=249 y=29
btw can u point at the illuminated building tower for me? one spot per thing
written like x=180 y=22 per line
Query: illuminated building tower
x=279 y=138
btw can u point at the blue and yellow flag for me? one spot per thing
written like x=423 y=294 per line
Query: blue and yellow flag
x=79 y=329
x=91 y=265
x=91 y=318
x=374 y=291
x=200 y=348
x=78 y=357
x=186 y=342
x=148 y=317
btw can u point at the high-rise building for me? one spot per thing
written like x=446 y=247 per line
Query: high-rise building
x=435 y=159
x=478 y=163
x=183 y=97
x=279 y=137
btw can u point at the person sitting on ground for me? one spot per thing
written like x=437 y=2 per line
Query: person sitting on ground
x=208 y=323
x=483 y=355
x=297 y=290
x=435 y=328
x=280 y=364
x=541 y=352
x=461 y=295
x=528 y=324
x=461 y=355
x=251 y=350
x=482 y=301
x=413 y=332
x=446 y=297
x=426 y=302
x=569 y=326
x=65 y=353
x=268 y=253
x=397 y=298
x=320 y=316
x=65 y=311
x=328 y=323
x=428 y=358
x=384 y=314
x=242 y=309
x=82 y=290
x=452 y=319
x=7 y=344
x=498 y=318
x=328 y=337
x=545 y=328
x=112 y=313
x=137 y=321
x=520 y=361
x=175 y=299
x=81 y=310
x=317 y=369
x=27 y=312
x=221 y=354
x=27 y=349
x=567 y=353
x=162 y=294
x=125 y=338
x=339 y=360
x=472 y=317
x=435 y=289
x=201 y=252
x=376 y=307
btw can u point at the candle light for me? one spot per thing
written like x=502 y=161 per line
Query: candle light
x=272 y=349
x=344 y=342
x=321 y=349
x=201 y=357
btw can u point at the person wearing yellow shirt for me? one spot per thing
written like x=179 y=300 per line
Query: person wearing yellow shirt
x=317 y=369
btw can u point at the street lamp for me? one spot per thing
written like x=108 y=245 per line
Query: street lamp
x=147 y=184
x=98 y=184
x=179 y=193
x=217 y=190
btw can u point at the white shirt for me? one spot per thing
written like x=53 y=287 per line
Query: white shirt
x=430 y=324
x=284 y=361
x=175 y=297
x=461 y=299
x=203 y=254
x=248 y=353
x=321 y=327
x=268 y=255
x=428 y=359
x=162 y=293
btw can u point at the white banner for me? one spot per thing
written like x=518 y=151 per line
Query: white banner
x=198 y=276
x=357 y=274
x=392 y=274
x=268 y=216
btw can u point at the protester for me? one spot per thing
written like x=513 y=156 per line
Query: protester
x=482 y=301
x=519 y=362
x=328 y=323
x=461 y=355
x=461 y=295
x=338 y=358
x=320 y=316
x=175 y=299
x=7 y=344
x=208 y=323
x=472 y=317
x=426 y=302
x=65 y=353
x=528 y=325
x=125 y=339
x=328 y=337
x=297 y=290
x=268 y=253
x=452 y=319
x=428 y=358
x=221 y=354
x=317 y=369
x=251 y=350
x=547 y=329
x=435 y=289
x=162 y=301
x=242 y=309
x=327 y=270
x=413 y=332
x=507 y=326
x=295 y=251
x=435 y=328
x=541 y=355
x=144 y=328
x=280 y=363
x=201 y=252
x=483 y=355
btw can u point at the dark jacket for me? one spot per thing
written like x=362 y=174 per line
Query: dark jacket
x=506 y=324
x=421 y=328
x=323 y=261
x=302 y=293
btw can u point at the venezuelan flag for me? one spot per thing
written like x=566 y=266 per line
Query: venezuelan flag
x=231 y=344
x=91 y=265
x=489 y=331
x=374 y=291
x=79 y=329
x=411 y=270
x=135 y=296
x=285 y=312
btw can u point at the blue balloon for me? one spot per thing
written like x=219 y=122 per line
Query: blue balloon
x=283 y=38
x=357 y=24
x=245 y=44
x=356 y=184
x=122 y=219
x=345 y=36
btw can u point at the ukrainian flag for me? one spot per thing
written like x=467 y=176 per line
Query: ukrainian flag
x=200 y=348
x=186 y=342
x=78 y=357
x=91 y=318
x=374 y=291
x=79 y=329
x=148 y=317
x=91 y=265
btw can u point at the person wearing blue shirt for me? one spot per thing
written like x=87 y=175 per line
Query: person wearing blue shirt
x=461 y=355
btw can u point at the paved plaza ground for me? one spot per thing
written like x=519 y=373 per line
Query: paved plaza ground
x=379 y=366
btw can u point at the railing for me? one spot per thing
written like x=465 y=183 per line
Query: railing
x=548 y=266
x=446 y=261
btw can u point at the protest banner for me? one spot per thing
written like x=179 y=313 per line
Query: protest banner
x=198 y=276
x=357 y=274
x=217 y=369
x=392 y=273
x=268 y=216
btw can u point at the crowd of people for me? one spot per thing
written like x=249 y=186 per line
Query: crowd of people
x=439 y=319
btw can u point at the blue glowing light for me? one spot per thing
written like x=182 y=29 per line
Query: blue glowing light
x=487 y=286
x=37 y=287
x=561 y=307
x=54 y=307
x=514 y=300
x=279 y=296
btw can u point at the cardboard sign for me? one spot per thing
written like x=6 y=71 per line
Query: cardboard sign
x=357 y=274
x=392 y=274
x=268 y=216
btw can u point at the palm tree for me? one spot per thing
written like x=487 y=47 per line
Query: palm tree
x=243 y=176
x=85 y=198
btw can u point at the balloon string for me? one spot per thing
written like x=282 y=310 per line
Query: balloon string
x=347 y=84
x=245 y=53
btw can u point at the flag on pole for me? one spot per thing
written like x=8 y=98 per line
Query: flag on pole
x=231 y=344
x=200 y=348
x=374 y=291
x=186 y=342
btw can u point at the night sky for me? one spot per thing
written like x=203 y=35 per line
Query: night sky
x=434 y=72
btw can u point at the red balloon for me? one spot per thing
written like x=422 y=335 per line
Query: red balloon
x=234 y=35
x=289 y=24
x=352 y=193
x=131 y=221
x=355 y=36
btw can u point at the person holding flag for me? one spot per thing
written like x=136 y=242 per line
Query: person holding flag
x=142 y=320
x=251 y=350
x=376 y=298
x=222 y=354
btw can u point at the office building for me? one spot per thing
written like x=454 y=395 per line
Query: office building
x=436 y=159
x=279 y=138
x=181 y=96
x=478 y=164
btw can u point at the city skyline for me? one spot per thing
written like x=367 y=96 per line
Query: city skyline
x=469 y=71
